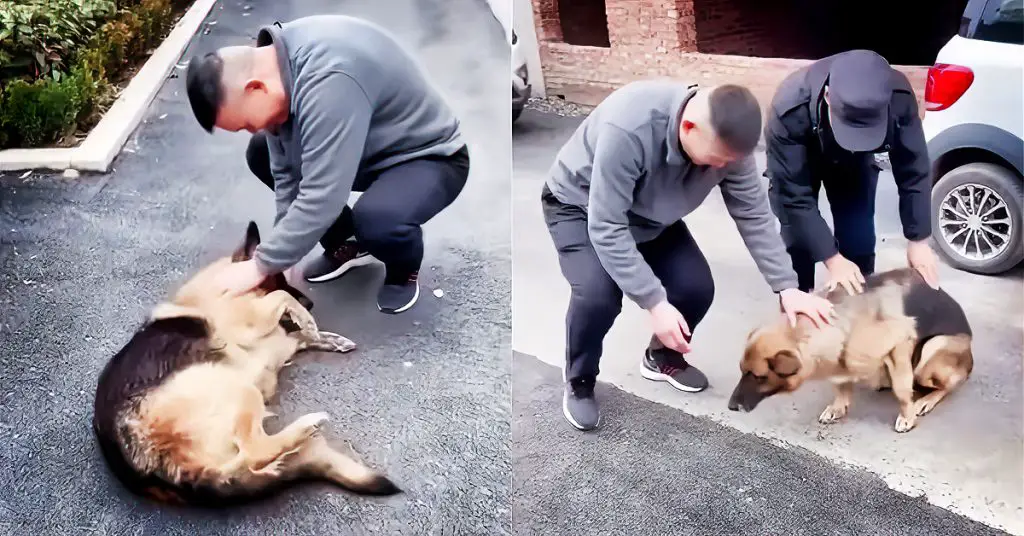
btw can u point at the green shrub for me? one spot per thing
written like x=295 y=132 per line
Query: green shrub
x=38 y=36
x=38 y=110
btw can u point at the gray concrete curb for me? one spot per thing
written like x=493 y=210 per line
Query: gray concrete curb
x=107 y=138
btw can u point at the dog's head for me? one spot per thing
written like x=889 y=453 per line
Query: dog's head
x=771 y=364
x=277 y=281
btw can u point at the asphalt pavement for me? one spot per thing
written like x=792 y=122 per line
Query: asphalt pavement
x=655 y=470
x=426 y=396
x=967 y=456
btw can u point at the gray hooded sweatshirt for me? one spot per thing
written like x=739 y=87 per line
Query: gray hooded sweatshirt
x=624 y=165
x=358 y=102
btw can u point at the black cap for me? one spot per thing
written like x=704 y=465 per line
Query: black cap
x=859 y=92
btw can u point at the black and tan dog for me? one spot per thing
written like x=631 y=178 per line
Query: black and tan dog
x=179 y=410
x=899 y=334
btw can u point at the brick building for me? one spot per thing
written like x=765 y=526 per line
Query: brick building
x=589 y=47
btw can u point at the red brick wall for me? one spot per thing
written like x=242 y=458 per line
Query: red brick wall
x=748 y=28
x=653 y=38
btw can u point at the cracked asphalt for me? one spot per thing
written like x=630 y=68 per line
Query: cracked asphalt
x=425 y=397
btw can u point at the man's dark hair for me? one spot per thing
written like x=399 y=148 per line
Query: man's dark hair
x=203 y=84
x=735 y=117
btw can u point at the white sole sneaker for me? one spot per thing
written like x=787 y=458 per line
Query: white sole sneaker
x=568 y=416
x=659 y=377
x=405 y=307
x=362 y=260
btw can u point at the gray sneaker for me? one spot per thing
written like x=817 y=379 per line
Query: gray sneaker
x=579 y=406
x=663 y=365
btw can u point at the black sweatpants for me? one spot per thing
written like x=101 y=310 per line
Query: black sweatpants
x=850 y=187
x=595 y=300
x=394 y=204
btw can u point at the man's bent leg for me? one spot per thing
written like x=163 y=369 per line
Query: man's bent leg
x=339 y=254
x=388 y=219
x=684 y=271
x=594 y=303
x=851 y=193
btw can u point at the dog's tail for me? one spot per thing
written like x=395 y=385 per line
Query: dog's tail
x=349 y=473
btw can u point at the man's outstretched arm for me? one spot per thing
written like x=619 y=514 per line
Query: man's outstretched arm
x=333 y=123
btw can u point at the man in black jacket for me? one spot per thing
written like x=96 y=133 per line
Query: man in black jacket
x=826 y=122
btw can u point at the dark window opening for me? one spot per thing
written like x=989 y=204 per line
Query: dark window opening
x=584 y=22
x=1000 y=21
x=905 y=32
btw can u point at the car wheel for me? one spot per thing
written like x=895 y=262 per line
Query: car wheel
x=516 y=112
x=977 y=218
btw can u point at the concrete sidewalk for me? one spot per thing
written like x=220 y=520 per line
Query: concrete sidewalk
x=966 y=456
x=425 y=397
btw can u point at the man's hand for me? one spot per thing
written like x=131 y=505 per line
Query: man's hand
x=238 y=278
x=794 y=302
x=670 y=327
x=921 y=258
x=842 y=271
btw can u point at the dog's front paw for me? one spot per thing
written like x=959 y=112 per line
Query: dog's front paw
x=333 y=342
x=905 y=424
x=832 y=414
x=924 y=406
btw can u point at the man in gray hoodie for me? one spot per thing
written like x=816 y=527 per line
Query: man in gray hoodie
x=336 y=105
x=647 y=156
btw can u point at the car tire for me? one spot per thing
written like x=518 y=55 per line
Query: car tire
x=516 y=112
x=1003 y=183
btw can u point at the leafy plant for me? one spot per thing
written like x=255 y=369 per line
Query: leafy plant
x=38 y=36
x=59 y=57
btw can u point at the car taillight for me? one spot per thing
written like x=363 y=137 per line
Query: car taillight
x=946 y=83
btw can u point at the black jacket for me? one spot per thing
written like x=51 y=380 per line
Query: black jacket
x=793 y=136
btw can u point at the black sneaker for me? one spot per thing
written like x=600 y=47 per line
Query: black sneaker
x=668 y=366
x=579 y=406
x=399 y=292
x=333 y=264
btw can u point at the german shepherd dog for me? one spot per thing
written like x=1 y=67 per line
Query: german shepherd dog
x=899 y=334
x=179 y=409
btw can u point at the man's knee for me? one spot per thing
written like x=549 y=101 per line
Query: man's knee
x=855 y=234
x=378 y=225
x=257 y=157
x=692 y=296
x=596 y=295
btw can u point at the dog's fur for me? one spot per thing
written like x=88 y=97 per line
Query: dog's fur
x=179 y=410
x=899 y=334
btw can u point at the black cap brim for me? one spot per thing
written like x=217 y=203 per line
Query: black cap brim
x=859 y=138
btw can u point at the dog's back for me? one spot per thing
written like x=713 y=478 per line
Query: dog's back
x=934 y=312
x=155 y=352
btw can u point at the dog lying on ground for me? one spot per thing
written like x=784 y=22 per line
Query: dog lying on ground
x=899 y=334
x=179 y=410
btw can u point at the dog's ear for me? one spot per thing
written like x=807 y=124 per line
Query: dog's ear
x=248 y=247
x=252 y=238
x=784 y=363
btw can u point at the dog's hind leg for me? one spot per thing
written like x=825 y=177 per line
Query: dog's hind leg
x=945 y=364
x=263 y=453
x=300 y=324
x=901 y=376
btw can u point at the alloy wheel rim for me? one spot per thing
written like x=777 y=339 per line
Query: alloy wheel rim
x=975 y=222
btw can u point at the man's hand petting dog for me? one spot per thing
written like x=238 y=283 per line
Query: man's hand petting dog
x=796 y=302
x=670 y=327
x=237 y=278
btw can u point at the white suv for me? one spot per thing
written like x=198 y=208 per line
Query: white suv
x=974 y=124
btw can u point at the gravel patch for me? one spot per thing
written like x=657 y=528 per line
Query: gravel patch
x=557 y=106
